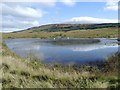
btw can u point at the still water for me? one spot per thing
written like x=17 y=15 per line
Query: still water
x=65 y=51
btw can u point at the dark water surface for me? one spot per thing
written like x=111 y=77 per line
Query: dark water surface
x=65 y=51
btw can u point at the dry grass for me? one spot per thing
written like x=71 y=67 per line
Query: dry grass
x=19 y=73
x=97 y=33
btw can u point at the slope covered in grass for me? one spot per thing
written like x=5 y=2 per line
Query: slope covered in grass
x=71 y=27
x=96 y=33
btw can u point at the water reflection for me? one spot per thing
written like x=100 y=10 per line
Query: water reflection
x=75 y=51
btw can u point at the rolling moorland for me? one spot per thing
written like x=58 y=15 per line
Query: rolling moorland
x=30 y=73
x=108 y=30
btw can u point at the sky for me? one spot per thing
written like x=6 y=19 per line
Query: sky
x=23 y=14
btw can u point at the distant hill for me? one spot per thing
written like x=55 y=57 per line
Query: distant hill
x=71 y=27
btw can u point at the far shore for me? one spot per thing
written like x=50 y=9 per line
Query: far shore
x=96 y=33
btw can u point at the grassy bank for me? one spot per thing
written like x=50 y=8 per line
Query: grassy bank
x=96 y=33
x=29 y=73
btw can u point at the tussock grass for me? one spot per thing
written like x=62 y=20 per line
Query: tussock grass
x=24 y=73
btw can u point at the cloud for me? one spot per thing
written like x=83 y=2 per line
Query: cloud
x=19 y=16
x=48 y=3
x=14 y=25
x=22 y=14
x=10 y=30
x=111 y=5
x=21 y=11
x=91 y=47
x=44 y=2
x=69 y=2
x=91 y=20
x=19 y=24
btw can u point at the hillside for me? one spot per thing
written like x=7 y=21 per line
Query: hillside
x=71 y=27
x=109 y=30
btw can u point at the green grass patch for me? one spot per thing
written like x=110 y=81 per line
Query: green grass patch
x=96 y=33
